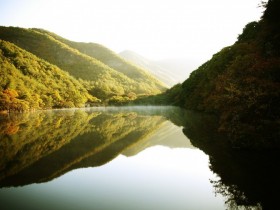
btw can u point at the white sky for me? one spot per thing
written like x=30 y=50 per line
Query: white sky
x=156 y=29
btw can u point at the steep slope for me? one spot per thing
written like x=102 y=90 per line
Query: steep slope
x=28 y=82
x=241 y=84
x=103 y=81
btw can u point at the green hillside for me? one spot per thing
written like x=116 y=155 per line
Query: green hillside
x=101 y=80
x=28 y=82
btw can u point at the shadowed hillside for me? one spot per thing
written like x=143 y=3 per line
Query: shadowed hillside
x=241 y=84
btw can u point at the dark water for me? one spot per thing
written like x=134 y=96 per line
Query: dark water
x=142 y=158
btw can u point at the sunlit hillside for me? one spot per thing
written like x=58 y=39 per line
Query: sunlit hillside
x=100 y=79
x=111 y=59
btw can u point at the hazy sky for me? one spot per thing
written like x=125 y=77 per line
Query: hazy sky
x=156 y=29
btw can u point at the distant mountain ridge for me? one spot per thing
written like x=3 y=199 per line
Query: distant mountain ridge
x=164 y=75
x=169 y=71
x=109 y=58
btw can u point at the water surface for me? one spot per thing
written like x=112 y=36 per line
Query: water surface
x=118 y=158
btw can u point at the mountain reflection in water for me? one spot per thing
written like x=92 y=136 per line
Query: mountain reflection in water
x=38 y=147
x=64 y=140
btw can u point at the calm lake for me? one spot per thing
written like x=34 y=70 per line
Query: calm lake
x=134 y=158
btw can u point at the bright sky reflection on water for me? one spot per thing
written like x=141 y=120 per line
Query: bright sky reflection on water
x=157 y=178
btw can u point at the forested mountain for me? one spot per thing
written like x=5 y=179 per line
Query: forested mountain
x=28 y=82
x=99 y=78
x=241 y=84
